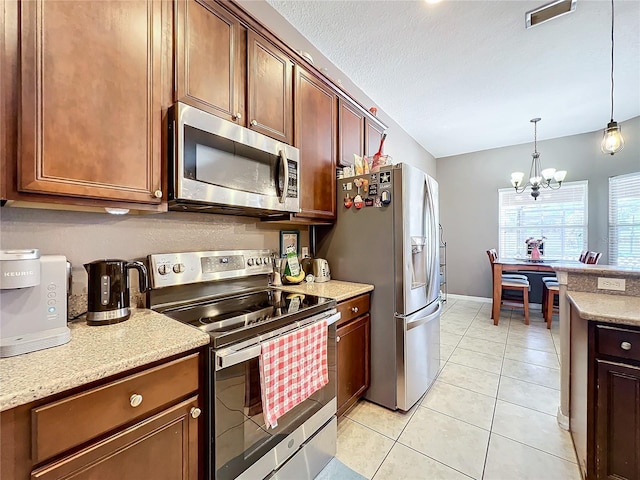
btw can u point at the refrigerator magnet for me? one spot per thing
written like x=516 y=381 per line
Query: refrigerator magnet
x=346 y=186
x=373 y=190
x=357 y=202
x=368 y=202
x=348 y=201
x=377 y=202
x=385 y=197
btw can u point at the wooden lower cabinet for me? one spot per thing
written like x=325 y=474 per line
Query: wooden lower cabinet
x=614 y=436
x=142 y=424
x=353 y=358
x=164 y=446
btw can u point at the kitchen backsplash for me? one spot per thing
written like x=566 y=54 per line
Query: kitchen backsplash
x=83 y=237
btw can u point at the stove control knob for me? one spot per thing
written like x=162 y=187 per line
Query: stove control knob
x=259 y=261
x=250 y=262
x=178 y=268
x=265 y=260
x=163 y=269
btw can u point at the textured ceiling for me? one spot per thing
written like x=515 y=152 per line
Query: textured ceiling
x=463 y=76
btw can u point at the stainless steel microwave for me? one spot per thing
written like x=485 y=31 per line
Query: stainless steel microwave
x=217 y=166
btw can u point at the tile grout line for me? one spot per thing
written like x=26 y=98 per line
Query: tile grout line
x=534 y=448
x=495 y=405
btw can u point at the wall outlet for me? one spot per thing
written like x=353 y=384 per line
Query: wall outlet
x=305 y=252
x=611 y=284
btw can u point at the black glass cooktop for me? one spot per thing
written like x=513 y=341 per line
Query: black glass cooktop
x=239 y=317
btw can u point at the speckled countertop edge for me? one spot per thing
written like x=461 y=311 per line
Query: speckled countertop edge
x=577 y=267
x=618 y=309
x=94 y=353
x=336 y=289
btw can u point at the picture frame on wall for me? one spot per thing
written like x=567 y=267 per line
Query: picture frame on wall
x=287 y=238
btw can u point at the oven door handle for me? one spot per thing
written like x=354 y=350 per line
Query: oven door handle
x=228 y=357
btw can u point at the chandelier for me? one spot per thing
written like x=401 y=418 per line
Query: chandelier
x=612 y=140
x=547 y=178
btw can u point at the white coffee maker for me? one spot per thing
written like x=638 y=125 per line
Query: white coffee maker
x=33 y=301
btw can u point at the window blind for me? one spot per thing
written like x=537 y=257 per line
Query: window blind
x=624 y=220
x=559 y=215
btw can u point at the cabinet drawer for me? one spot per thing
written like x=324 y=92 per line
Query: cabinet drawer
x=61 y=425
x=618 y=342
x=352 y=308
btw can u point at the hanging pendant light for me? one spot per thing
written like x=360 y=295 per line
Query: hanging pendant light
x=612 y=140
x=538 y=178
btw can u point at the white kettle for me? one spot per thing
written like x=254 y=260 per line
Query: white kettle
x=321 y=270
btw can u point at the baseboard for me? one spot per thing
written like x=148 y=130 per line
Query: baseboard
x=454 y=296
x=563 y=420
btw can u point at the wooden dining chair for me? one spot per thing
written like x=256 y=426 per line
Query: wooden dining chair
x=593 y=258
x=546 y=281
x=549 y=303
x=512 y=282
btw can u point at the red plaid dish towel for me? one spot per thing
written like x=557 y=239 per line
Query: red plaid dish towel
x=292 y=368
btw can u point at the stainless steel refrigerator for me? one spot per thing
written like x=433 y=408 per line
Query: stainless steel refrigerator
x=386 y=234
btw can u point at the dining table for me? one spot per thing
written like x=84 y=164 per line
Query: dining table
x=502 y=265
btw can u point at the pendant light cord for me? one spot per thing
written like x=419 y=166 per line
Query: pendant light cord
x=612 y=17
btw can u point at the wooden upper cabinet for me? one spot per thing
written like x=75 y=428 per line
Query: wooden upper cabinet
x=315 y=113
x=350 y=132
x=269 y=80
x=91 y=99
x=210 y=59
x=373 y=135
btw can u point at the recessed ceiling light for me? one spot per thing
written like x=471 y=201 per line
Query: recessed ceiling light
x=433 y=1
x=549 y=11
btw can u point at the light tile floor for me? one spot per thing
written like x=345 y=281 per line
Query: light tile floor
x=491 y=414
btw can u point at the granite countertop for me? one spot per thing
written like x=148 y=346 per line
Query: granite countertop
x=331 y=289
x=619 y=309
x=577 y=267
x=94 y=352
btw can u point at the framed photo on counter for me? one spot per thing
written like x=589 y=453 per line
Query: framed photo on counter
x=289 y=238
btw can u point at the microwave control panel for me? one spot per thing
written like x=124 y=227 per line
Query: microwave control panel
x=292 y=186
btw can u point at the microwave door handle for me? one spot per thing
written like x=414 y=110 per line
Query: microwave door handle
x=285 y=173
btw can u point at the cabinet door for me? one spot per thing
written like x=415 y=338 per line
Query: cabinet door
x=91 y=101
x=270 y=79
x=350 y=132
x=373 y=134
x=617 y=436
x=315 y=110
x=353 y=361
x=163 y=446
x=210 y=59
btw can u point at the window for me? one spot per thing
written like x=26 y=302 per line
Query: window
x=559 y=215
x=624 y=220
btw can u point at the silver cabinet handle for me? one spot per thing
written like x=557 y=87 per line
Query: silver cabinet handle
x=337 y=338
x=354 y=309
x=254 y=123
x=157 y=194
x=625 y=346
x=135 y=400
x=195 y=412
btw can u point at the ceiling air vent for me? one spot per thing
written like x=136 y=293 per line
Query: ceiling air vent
x=549 y=11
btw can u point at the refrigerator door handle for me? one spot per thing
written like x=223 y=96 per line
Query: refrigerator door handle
x=422 y=320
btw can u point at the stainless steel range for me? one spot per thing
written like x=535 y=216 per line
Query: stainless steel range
x=224 y=293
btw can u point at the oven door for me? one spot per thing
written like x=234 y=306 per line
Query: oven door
x=241 y=441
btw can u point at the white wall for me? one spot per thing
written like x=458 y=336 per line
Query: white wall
x=469 y=196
